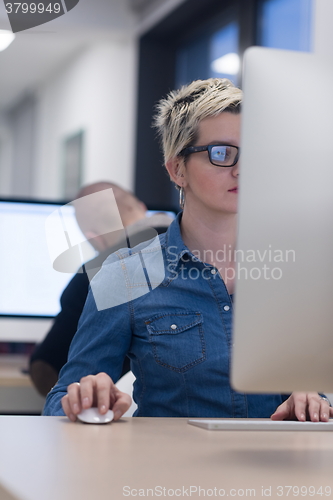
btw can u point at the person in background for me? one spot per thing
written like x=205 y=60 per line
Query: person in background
x=51 y=354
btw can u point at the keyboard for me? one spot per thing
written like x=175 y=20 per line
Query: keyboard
x=234 y=424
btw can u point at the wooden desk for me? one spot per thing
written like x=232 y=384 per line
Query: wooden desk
x=49 y=458
x=17 y=393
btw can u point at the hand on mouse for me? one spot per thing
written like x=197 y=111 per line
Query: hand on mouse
x=95 y=390
x=303 y=406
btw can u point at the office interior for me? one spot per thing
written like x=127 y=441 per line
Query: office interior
x=77 y=97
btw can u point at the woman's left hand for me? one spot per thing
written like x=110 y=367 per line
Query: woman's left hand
x=304 y=406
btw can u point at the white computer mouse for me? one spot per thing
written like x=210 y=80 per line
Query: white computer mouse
x=92 y=416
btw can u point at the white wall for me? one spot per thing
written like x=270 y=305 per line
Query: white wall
x=95 y=92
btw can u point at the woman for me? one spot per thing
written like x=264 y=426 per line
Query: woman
x=178 y=336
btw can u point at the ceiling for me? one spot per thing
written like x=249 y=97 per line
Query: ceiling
x=38 y=52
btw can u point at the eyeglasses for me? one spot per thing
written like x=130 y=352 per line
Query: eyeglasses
x=220 y=156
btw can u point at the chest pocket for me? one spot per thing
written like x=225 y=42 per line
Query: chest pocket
x=177 y=340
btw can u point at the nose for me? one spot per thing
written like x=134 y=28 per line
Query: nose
x=235 y=169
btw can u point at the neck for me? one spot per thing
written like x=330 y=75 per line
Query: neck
x=211 y=237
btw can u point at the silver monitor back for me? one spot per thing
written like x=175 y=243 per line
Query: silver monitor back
x=283 y=325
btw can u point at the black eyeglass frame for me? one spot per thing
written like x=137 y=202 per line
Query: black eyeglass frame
x=197 y=149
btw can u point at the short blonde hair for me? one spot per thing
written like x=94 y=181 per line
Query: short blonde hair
x=179 y=114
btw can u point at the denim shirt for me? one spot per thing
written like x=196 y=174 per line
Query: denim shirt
x=177 y=334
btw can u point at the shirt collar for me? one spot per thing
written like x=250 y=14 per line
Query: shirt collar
x=174 y=245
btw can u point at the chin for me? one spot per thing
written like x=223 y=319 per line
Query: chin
x=228 y=210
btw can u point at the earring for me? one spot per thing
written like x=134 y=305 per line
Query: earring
x=181 y=198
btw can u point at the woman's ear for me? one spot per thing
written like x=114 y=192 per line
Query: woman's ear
x=176 y=168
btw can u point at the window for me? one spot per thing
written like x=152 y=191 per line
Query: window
x=285 y=24
x=192 y=61
x=224 y=58
x=211 y=55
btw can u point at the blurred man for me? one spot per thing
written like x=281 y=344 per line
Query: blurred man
x=93 y=218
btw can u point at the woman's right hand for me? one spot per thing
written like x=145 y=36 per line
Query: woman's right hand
x=95 y=391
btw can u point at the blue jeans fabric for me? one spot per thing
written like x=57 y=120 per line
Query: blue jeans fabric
x=178 y=337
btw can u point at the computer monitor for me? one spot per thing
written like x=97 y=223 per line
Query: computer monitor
x=283 y=323
x=30 y=287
